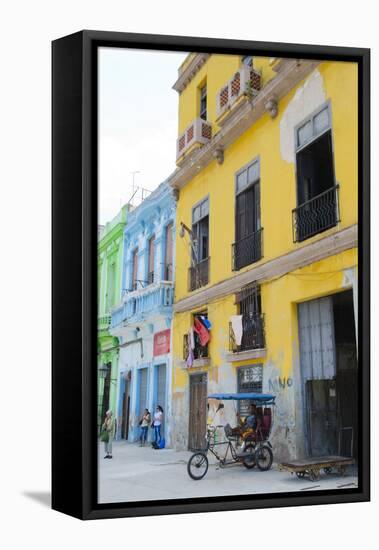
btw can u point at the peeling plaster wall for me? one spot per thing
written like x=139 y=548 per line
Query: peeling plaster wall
x=307 y=99
x=281 y=366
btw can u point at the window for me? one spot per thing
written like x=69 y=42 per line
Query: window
x=249 y=379
x=316 y=188
x=199 y=271
x=200 y=230
x=248 y=246
x=203 y=102
x=168 y=271
x=134 y=269
x=150 y=272
x=199 y=351
x=249 y=307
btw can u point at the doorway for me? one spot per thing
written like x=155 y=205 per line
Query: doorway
x=197 y=411
x=328 y=359
x=160 y=392
x=125 y=410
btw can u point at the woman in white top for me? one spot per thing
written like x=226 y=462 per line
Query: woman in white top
x=157 y=423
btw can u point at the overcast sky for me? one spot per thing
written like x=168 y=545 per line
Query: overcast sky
x=138 y=112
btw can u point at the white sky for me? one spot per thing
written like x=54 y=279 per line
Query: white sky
x=138 y=112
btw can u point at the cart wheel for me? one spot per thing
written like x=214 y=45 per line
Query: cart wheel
x=264 y=458
x=249 y=461
x=300 y=475
x=327 y=470
x=197 y=466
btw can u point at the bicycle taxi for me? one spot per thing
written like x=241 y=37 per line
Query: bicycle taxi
x=250 y=447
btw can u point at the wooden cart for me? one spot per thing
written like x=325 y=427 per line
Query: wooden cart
x=313 y=466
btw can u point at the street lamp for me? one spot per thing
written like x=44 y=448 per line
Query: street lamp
x=103 y=371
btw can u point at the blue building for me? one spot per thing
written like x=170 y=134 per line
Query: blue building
x=142 y=319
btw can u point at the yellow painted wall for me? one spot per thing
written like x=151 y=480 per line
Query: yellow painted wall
x=217 y=71
x=278 y=197
x=278 y=179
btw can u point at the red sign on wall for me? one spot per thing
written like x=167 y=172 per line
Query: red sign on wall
x=162 y=342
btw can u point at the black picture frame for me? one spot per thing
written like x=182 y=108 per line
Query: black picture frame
x=74 y=272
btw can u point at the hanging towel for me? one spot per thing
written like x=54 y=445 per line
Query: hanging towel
x=190 y=357
x=236 y=321
x=203 y=333
x=191 y=339
x=206 y=322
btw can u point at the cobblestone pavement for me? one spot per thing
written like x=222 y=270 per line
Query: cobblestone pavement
x=142 y=473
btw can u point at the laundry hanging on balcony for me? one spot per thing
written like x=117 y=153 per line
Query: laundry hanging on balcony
x=206 y=322
x=191 y=347
x=236 y=321
x=202 y=331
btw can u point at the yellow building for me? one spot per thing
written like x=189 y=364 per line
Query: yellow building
x=266 y=247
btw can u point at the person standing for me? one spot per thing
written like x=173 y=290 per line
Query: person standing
x=157 y=423
x=144 y=423
x=109 y=427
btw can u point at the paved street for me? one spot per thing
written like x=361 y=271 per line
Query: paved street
x=137 y=473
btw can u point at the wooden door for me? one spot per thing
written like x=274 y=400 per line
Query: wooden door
x=197 y=412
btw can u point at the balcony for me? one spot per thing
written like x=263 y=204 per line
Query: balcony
x=198 y=133
x=316 y=215
x=103 y=323
x=138 y=304
x=248 y=250
x=246 y=82
x=198 y=275
x=200 y=354
x=253 y=339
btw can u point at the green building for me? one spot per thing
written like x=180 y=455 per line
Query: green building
x=110 y=251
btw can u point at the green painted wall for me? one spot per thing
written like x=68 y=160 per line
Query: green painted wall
x=110 y=257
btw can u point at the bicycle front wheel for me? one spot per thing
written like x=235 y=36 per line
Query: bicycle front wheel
x=197 y=466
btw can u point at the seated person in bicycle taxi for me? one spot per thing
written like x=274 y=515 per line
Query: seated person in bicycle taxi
x=248 y=426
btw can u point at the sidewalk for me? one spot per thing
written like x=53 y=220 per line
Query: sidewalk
x=142 y=473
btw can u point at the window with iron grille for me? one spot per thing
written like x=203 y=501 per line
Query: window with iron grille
x=203 y=102
x=248 y=245
x=249 y=379
x=199 y=271
x=317 y=192
x=249 y=307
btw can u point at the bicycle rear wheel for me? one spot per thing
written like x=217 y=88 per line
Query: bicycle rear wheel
x=197 y=466
x=264 y=458
x=249 y=460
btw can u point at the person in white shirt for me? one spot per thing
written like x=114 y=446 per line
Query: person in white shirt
x=157 y=423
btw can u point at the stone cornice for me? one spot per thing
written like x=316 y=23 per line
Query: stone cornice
x=296 y=259
x=190 y=70
x=242 y=117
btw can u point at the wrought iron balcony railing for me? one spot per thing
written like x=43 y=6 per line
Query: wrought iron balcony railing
x=198 y=275
x=248 y=250
x=316 y=215
x=253 y=333
x=199 y=352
